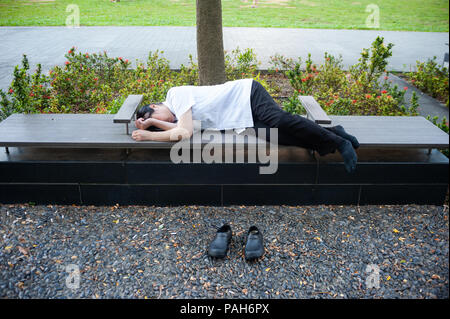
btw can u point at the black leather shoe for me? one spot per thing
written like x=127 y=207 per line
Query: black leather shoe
x=254 y=248
x=219 y=246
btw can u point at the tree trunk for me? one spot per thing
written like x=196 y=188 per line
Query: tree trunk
x=211 y=59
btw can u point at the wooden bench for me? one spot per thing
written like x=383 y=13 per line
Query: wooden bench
x=128 y=110
x=98 y=130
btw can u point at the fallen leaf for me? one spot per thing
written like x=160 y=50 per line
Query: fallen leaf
x=395 y=230
x=22 y=250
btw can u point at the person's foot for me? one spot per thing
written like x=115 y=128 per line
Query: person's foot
x=219 y=246
x=254 y=248
x=348 y=154
x=339 y=131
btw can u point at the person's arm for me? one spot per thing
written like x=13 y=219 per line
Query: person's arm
x=145 y=124
x=182 y=130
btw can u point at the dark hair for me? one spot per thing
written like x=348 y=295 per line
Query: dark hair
x=146 y=109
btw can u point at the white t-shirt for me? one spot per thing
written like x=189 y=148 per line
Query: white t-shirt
x=218 y=107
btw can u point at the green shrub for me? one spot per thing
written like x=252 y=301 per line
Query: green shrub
x=431 y=79
x=96 y=83
x=356 y=92
x=27 y=93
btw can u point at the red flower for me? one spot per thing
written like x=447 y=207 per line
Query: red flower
x=386 y=77
x=11 y=91
x=368 y=96
x=379 y=96
x=95 y=79
x=31 y=94
x=304 y=80
x=67 y=62
x=120 y=58
x=384 y=92
x=126 y=61
x=353 y=101
x=389 y=97
x=405 y=88
x=87 y=55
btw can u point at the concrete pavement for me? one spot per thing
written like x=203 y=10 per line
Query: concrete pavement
x=47 y=45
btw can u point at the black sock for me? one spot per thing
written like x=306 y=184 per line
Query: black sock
x=349 y=155
x=339 y=131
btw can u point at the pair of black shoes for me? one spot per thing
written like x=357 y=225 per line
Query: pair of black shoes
x=254 y=247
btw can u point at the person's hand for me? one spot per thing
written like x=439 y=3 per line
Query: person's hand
x=144 y=124
x=141 y=135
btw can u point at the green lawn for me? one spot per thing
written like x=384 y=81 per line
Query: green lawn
x=408 y=15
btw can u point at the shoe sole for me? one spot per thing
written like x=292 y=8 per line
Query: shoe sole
x=215 y=255
x=251 y=255
x=218 y=254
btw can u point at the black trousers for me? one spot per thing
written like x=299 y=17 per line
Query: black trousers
x=294 y=130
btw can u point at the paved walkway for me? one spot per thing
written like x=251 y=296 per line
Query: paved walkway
x=48 y=45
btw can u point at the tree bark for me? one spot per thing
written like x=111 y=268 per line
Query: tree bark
x=210 y=52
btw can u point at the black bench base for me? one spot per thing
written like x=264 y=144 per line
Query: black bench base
x=148 y=177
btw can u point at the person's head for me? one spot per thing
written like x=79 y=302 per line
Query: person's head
x=157 y=111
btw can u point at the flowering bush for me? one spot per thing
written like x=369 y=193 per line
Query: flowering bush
x=356 y=92
x=96 y=83
x=27 y=93
x=432 y=79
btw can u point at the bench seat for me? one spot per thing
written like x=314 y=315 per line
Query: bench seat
x=98 y=131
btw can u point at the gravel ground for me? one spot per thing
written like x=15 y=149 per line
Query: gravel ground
x=160 y=252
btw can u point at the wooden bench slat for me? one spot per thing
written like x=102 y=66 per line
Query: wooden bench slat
x=313 y=109
x=98 y=131
x=128 y=108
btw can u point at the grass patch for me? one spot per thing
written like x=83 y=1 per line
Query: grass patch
x=405 y=15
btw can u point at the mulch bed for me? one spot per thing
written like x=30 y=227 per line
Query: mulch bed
x=160 y=252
